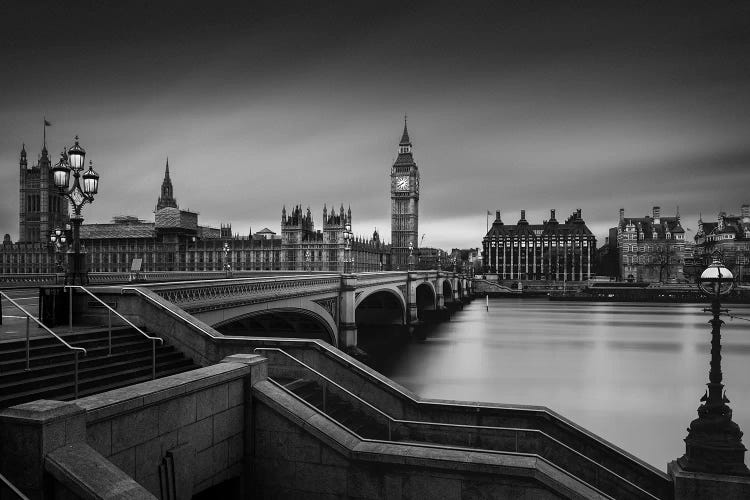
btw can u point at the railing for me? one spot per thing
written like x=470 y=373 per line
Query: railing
x=518 y=434
x=109 y=318
x=7 y=485
x=76 y=350
x=572 y=454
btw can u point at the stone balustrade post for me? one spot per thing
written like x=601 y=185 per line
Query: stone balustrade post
x=347 y=321
x=412 y=282
x=28 y=432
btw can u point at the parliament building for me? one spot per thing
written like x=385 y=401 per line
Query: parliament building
x=175 y=241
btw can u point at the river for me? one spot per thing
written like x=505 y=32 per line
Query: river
x=630 y=373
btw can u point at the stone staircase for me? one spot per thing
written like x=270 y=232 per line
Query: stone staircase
x=51 y=374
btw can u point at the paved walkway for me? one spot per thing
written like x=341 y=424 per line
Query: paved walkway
x=14 y=321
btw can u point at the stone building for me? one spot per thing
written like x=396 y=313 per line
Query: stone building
x=730 y=236
x=547 y=251
x=41 y=207
x=176 y=242
x=651 y=248
x=404 y=203
x=304 y=248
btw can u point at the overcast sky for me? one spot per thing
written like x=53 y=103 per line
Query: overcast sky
x=536 y=105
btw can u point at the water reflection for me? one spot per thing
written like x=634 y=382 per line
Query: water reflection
x=631 y=373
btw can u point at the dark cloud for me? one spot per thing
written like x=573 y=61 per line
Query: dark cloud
x=533 y=105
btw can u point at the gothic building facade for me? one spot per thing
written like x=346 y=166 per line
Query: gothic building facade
x=304 y=248
x=176 y=242
x=404 y=204
x=41 y=207
x=548 y=251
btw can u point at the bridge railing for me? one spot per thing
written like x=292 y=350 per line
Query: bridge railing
x=471 y=437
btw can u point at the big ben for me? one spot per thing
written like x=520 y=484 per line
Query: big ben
x=404 y=204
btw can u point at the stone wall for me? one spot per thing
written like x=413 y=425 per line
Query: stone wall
x=300 y=454
x=135 y=426
x=196 y=421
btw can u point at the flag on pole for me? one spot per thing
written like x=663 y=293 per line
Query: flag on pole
x=47 y=124
x=489 y=213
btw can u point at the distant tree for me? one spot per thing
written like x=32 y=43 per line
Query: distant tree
x=665 y=259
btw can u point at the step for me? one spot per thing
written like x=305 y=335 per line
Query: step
x=93 y=385
x=66 y=357
x=17 y=350
x=86 y=368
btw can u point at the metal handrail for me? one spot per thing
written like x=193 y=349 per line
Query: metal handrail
x=12 y=488
x=173 y=313
x=76 y=350
x=126 y=320
x=440 y=424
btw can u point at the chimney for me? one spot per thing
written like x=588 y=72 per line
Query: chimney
x=552 y=215
x=523 y=214
x=497 y=214
x=622 y=215
x=745 y=212
x=657 y=215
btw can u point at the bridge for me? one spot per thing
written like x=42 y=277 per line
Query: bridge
x=325 y=306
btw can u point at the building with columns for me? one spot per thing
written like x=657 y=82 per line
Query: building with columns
x=548 y=251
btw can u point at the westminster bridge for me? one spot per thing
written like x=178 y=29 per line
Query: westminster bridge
x=327 y=306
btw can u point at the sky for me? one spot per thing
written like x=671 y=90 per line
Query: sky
x=511 y=105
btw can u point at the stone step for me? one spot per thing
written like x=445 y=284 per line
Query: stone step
x=86 y=367
x=65 y=391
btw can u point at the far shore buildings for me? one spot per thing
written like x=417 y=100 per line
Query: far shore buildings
x=651 y=248
x=548 y=251
x=730 y=236
x=175 y=241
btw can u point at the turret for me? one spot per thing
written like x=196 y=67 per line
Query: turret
x=22 y=162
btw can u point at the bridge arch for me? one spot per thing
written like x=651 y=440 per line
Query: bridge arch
x=388 y=302
x=425 y=297
x=313 y=321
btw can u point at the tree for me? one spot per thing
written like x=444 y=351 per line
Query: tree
x=665 y=259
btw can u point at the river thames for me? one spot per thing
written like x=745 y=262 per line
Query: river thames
x=630 y=373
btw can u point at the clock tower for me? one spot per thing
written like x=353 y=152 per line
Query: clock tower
x=404 y=204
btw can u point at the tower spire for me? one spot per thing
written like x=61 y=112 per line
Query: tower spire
x=167 y=198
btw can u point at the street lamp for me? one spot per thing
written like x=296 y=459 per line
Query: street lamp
x=307 y=260
x=714 y=441
x=59 y=238
x=411 y=256
x=72 y=163
x=347 y=247
x=227 y=265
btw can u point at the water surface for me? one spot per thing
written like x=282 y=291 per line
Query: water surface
x=631 y=373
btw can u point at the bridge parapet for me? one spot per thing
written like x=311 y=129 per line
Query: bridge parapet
x=209 y=295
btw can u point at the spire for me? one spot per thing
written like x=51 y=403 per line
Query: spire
x=167 y=194
x=405 y=141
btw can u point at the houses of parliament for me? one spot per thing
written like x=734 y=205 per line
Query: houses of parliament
x=175 y=241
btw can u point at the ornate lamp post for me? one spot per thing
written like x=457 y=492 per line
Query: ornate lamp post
x=307 y=260
x=227 y=265
x=59 y=238
x=72 y=163
x=411 y=256
x=714 y=441
x=348 y=236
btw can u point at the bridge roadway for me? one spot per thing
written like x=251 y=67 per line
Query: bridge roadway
x=332 y=303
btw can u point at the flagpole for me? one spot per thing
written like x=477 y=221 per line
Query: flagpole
x=44 y=128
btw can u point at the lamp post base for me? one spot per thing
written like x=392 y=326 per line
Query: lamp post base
x=77 y=272
x=714 y=445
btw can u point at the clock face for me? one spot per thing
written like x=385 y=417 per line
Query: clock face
x=402 y=183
